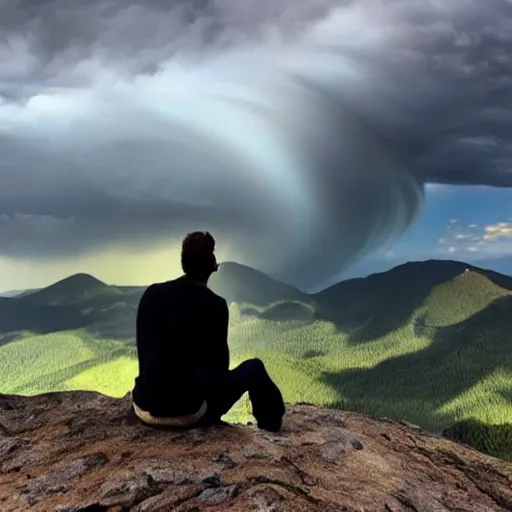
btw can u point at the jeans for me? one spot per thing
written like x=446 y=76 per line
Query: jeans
x=222 y=392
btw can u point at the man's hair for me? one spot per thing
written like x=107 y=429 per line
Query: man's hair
x=197 y=253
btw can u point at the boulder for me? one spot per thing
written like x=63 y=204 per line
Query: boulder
x=83 y=451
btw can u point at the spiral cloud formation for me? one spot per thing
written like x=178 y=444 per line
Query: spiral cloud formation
x=300 y=132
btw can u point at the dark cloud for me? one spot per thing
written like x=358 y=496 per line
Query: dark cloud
x=301 y=131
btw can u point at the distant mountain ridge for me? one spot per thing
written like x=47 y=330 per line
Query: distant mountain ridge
x=420 y=274
x=378 y=302
x=9 y=294
x=241 y=283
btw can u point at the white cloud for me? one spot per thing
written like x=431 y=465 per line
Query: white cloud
x=489 y=241
x=499 y=230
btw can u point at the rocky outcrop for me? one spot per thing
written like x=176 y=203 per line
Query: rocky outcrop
x=82 y=451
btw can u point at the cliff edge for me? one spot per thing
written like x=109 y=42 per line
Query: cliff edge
x=83 y=451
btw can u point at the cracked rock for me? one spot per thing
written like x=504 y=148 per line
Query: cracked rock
x=165 y=472
x=253 y=451
x=212 y=480
x=215 y=496
x=225 y=461
x=45 y=469
x=123 y=482
x=11 y=445
x=281 y=441
x=331 y=452
x=58 y=480
x=344 y=437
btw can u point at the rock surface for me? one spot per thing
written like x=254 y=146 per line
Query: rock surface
x=82 y=451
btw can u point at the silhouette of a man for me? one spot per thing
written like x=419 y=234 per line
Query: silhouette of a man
x=182 y=329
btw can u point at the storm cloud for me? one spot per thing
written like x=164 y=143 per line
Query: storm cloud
x=300 y=132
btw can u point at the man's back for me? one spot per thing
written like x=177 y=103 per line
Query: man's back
x=181 y=328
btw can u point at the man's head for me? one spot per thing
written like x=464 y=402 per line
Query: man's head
x=197 y=255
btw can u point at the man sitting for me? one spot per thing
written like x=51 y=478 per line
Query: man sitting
x=182 y=331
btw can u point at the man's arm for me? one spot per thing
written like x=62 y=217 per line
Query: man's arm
x=212 y=352
x=223 y=337
x=216 y=356
x=145 y=326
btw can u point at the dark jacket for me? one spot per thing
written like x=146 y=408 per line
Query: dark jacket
x=182 y=329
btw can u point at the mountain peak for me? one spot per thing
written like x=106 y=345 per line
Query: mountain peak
x=82 y=278
x=67 y=289
x=240 y=283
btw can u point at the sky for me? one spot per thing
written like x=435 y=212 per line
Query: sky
x=463 y=223
x=316 y=139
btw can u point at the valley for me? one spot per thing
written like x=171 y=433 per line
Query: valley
x=427 y=342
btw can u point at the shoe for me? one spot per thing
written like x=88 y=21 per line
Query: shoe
x=273 y=425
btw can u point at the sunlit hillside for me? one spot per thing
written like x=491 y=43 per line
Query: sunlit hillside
x=435 y=350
